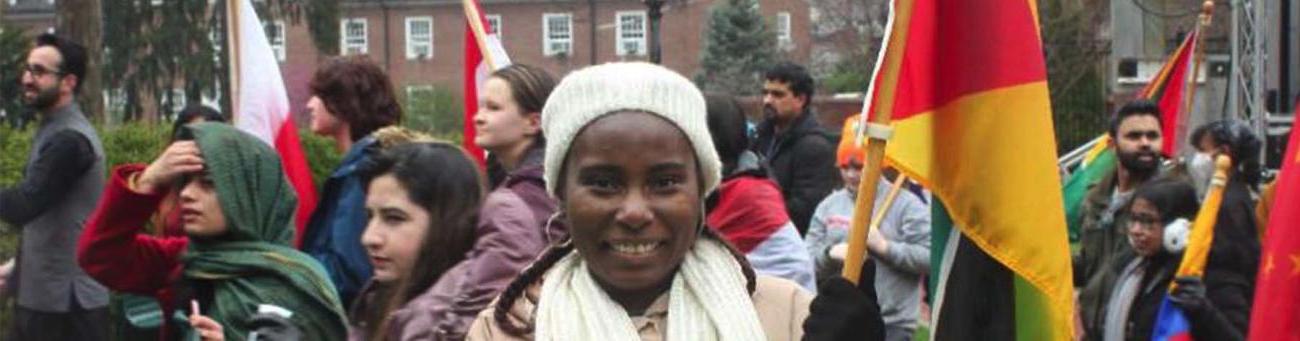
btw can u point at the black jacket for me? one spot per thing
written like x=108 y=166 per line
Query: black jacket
x=1234 y=256
x=802 y=161
x=1209 y=324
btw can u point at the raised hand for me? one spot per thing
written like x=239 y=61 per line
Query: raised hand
x=180 y=158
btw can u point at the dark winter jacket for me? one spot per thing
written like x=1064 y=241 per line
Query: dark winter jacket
x=333 y=235
x=1234 y=256
x=802 y=160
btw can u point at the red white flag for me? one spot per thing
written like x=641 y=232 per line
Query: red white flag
x=483 y=54
x=261 y=105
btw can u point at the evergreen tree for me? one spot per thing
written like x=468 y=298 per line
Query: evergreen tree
x=738 y=47
x=11 y=105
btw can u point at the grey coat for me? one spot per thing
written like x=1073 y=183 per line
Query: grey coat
x=48 y=278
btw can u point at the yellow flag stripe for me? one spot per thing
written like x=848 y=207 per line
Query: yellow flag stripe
x=990 y=157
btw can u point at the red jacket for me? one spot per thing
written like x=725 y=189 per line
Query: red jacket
x=114 y=252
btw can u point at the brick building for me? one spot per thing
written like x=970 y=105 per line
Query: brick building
x=421 y=42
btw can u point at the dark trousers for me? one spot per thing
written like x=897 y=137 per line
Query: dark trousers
x=77 y=324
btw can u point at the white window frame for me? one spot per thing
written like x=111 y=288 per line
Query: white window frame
x=622 y=37
x=278 y=43
x=363 y=47
x=548 y=42
x=494 y=24
x=784 y=37
x=412 y=45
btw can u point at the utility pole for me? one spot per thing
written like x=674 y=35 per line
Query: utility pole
x=655 y=14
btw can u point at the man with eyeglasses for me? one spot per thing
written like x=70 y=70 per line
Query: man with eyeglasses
x=1135 y=135
x=61 y=185
x=800 y=153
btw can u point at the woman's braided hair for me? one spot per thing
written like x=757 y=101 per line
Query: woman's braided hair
x=553 y=255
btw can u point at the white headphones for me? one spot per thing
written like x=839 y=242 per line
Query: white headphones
x=1176 y=234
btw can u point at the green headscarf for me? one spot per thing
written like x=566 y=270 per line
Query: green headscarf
x=253 y=263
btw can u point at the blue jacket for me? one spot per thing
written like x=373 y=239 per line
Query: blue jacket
x=334 y=232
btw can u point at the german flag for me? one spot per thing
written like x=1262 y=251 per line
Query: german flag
x=965 y=84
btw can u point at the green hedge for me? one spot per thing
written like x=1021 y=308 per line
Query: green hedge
x=140 y=143
x=127 y=143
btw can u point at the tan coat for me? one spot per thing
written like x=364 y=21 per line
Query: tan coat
x=782 y=306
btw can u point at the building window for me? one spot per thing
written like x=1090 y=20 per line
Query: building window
x=783 y=36
x=557 y=33
x=354 y=36
x=630 y=33
x=419 y=37
x=494 y=24
x=275 y=36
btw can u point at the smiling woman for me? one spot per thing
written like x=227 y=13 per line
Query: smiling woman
x=630 y=158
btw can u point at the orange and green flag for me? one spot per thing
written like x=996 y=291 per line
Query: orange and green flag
x=965 y=83
x=1170 y=89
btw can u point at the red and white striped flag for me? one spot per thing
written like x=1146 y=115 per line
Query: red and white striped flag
x=483 y=54
x=261 y=106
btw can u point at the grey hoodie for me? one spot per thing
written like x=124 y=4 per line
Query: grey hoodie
x=906 y=226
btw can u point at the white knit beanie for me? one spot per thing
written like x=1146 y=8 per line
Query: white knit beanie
x=592 y=92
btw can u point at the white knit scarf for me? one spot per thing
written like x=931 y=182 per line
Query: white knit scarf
x=708 y=300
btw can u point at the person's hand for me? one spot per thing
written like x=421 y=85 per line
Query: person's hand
x=1189 y=294
x=876 y=242
x=207 y=328
x=180 y=158
x=838 y=251
x=842 y=311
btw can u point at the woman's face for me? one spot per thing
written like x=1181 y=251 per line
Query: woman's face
x=201 y=213
x=1145 y=232
x=631 y=192
x=323 y=121
x=500 y=123
x=395 y=229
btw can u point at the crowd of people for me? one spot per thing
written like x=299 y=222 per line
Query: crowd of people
x=618 y=203
x=1136 y=222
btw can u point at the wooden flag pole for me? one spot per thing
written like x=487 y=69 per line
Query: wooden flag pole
x=475 y=21
x=232 y=47
x=1198 y=56
x=879 y=215
x=878 y=133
